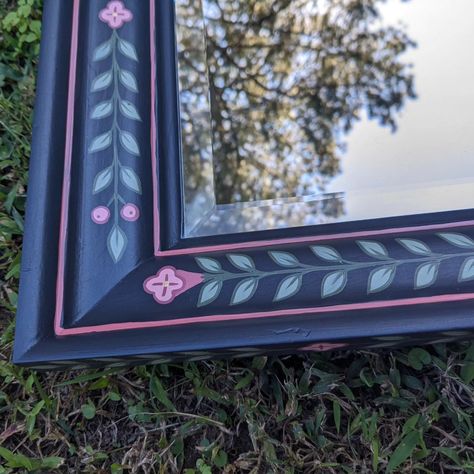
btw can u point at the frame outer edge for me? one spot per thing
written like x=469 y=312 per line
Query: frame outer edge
x=38 y=235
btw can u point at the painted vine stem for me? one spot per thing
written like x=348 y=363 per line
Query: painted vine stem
x=116 y=177
x=336 y=271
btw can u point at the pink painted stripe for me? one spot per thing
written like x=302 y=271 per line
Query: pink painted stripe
x=154 y=164
x=313 y=238
x=266 y=314
x=67 y=168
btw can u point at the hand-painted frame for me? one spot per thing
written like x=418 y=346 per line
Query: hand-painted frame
x=106 y=276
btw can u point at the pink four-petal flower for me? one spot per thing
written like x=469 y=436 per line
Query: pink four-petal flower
x=169 y=283
x=115 y=14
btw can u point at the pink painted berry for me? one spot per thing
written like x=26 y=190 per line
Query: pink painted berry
x=100 y=215
x=130 y=212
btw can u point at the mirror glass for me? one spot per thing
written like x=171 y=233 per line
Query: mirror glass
x=302 y=112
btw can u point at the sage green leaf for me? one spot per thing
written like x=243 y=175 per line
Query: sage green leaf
x=288 y=287
x=102 y=180
x=244 y=291
x=415 y=246
x=127 y=49
x=333 y=283
x=209 y=264
x=102 y=81
x=128 y=80
x=130 y=179
x=116 y=243
x=381 y=278
x=102 y=51
x=404 y=450
x=326 y=253
x=459 y=240
x=101 y=142
x=467 y=270
x=102 y=110
x=209 y=292
x=129 y=110
x=129 y=142
x=426 y=275
x=284 y=259
x=373 y=249
x=242 y=262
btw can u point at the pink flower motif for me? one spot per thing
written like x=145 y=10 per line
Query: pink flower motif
x=322 y=347
x=169 y=283
x=100 y=215
x=130 y=212
x=115 y=14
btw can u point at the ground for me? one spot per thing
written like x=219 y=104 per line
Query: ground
x=345 y=412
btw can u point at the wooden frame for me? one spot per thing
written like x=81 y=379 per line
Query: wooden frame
x=122 y=286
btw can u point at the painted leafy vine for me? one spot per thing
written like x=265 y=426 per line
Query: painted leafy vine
x=116 y=177
x=335 y=268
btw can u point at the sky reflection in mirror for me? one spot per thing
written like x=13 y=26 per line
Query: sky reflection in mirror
x=302 y=112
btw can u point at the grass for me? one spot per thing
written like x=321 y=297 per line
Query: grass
x=408 y=410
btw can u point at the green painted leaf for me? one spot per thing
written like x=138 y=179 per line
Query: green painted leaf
x=116 y=243
x=459 y=240
x=129 y=110
x=102 y=51
x=102 y=180
x=373 y=249
x=129 y=142
x=242 y=262
x=284 y=259
x=288 y=287
x=102 y=110
x=127 y=49
x=128 y=80
x=467 y=270
x=333 y=283
x=404 y=450
x=100 y=143
x=209 y=292
x=209 y=264
x=426 y=275
x=415 y=246
x=327 y=253
x=130 y=179
x=244 y=291
x=102 y=81
x=381 y=278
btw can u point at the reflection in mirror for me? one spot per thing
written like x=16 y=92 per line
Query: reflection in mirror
x=301 y=112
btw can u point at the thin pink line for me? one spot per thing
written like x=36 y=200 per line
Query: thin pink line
x=267 y=314
x=314 y=238
x=67 y=167
x=156 y=214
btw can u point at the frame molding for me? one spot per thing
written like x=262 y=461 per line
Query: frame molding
x=349 y=313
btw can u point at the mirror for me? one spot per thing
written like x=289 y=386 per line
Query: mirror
x=302 y=112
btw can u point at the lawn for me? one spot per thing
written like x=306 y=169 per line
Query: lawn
x=345 y=412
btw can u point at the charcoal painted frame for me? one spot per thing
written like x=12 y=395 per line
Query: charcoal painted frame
x=114 y=283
